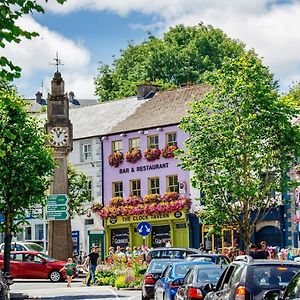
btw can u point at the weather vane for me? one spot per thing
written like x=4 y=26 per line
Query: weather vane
x=57 y=62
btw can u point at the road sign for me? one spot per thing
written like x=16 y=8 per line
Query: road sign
x=58 y=215
x=144 y=228
x=57 y=200
x=57 y=207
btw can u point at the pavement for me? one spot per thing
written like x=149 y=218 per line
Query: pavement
x=43 y=289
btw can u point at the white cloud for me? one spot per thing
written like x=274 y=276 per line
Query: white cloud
x=35 y=55
x=265 y=25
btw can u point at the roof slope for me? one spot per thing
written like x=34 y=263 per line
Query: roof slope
x=165 y=108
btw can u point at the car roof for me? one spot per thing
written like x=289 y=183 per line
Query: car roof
x=213 y=266
x=205 y=255
x=166 y=259
x=188 y=263
x=267 y=262
x=25 y=252
x=172 y=248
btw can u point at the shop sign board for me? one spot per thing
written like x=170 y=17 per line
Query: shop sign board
x=144 y=228
x=120 y=237
x=125 y=220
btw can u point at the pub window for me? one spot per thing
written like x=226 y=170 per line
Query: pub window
x=89 y=185
x=117 y=146
x=171 y=138
x=117 y=189
x=134 y=144
x=86 y=152
x=135 y=187
x=172 y=183
x=153 y=141
x=154 y=185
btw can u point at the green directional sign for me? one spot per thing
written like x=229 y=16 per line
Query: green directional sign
x=58 y=215
x=57 y=207
x=57 y=200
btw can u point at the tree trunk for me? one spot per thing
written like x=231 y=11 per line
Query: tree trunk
x=7 y=241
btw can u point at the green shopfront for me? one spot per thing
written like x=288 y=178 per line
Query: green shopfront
x=122 y=230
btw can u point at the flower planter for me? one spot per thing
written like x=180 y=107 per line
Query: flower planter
x=168 y=151
x=115 y=159
x=133 y=156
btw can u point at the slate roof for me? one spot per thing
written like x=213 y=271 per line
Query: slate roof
x=165 y=108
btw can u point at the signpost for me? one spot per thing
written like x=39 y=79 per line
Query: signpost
x=144 y=229
x=58 y=208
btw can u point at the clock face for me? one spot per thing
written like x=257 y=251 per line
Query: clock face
x=59 y=136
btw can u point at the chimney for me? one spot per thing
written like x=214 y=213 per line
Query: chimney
x=146 y=91
x=38 y=97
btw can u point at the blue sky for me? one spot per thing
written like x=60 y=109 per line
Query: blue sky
x=85 y=32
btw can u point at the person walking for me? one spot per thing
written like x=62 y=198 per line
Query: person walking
x=69 y=269
x=92 y=261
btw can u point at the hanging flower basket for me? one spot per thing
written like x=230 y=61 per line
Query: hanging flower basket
x=168 y=151
x=149 y=205
x=115 y=159
x=152 y=154
x=133 y=156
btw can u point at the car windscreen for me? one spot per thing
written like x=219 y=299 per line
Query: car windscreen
x=202 y=258
x=46 y=257
x=268 y=276
x=293 y=289
x=34 y=247
x=209 y=275
x=157 y=266
x=181 y=270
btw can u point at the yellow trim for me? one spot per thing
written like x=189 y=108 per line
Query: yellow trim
x=113 y=147
x=130 y=143
x=114 y=189
x=149 y=185
x=148 y=141
x=131 y=187
x=171 y=143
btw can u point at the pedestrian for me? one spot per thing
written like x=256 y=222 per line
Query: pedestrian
x=69 y=268
x=92 y=261
x=168 y=243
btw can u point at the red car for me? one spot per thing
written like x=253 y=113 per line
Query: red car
x=34 y=265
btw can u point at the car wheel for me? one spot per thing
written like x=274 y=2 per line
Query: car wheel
x=55 y=276
x=145 y=297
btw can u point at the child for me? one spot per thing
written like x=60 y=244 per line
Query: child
x=69 y=268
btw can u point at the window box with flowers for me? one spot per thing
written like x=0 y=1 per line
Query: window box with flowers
x=115 y=159
x=133 y=156
x=152 y=154
x=168 y=151
x=150 y=204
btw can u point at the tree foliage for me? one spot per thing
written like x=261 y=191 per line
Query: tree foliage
x=242 y=144
x=10 y=12
x=25 y=163
x=79 y=192
x=183 y=55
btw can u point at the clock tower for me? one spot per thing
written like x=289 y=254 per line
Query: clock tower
x=60 y=131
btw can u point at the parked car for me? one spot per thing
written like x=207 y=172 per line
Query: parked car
x=152 y=274
x=195 y=280
x=170 y=252
x=218 y=259
x=24 y=246
x=172 y=277
x=291 y=292
x=4 y=287
x=246 y=278
x=34 y=265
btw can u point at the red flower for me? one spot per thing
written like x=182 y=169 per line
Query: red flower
x=133 y=156
x=152 y=154
x=115 y=159
x=168 y=151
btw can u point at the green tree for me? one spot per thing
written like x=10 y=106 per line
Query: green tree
x=10 y=12
x=79 y=192
x=183 y=55
x=25 y=164
x=242 y=144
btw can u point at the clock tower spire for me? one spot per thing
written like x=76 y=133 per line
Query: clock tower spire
x=60 y=131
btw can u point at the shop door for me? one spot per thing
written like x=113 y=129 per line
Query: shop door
x=180 y=235
x=97 y=239
x=160 y=235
